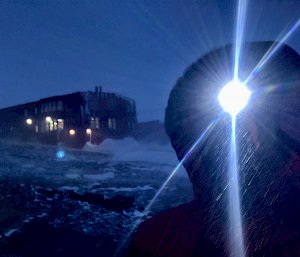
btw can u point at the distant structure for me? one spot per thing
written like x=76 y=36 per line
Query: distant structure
x=72 y=119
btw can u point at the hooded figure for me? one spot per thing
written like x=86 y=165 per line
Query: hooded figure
x=268 y=158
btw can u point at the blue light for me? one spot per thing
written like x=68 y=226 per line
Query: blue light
x=60 y=154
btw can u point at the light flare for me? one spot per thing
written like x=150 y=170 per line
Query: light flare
x=272 y=50
x=60 y=154
x=233 y=97
x=235 y=220
x=48 y=119
x=88 y=131
x=240 y=25
x=29 y=121
x=72 y=132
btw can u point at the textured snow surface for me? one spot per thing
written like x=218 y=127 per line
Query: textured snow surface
x=99 y=192
x=129 y=149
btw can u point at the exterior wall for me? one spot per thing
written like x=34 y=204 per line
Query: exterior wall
x=13 y=120
x=93 y=116
x=57 y=116
x=109 y=115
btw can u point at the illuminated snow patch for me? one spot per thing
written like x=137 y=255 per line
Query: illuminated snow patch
x=104 y=176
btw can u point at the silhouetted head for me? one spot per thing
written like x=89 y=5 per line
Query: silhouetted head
x=267 y=137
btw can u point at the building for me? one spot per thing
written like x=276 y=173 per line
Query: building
x=71 y=119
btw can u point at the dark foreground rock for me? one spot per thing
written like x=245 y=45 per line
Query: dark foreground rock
x=39 y=239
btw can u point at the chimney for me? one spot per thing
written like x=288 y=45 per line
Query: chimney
x=99 y=93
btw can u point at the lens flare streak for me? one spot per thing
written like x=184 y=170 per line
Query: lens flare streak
x=150 y=204
x=272 y=50
x=235 y=220
x=241 y=17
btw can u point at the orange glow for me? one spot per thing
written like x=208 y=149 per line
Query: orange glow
x=72 y=132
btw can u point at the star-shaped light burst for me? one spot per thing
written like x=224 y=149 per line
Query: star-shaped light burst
x=233 y=97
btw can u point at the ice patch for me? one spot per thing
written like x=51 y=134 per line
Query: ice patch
x=28 y=166
x=10 y=232
x=129 y=189
x=104 y=176
x=69 y=188
x=128 y=149
x=138 y=214
x=42 y=215
x=67 y=158
x=145 y=168
x=28 y=219
x=72 y=176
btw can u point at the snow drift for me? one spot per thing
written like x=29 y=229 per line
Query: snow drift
x=128 y=149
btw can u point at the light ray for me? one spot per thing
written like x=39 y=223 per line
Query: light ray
x=150 y=204
x=235 y=219
x=240 y=25
x=273 y=49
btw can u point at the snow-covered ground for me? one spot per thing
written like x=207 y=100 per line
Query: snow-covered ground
x=95 y=194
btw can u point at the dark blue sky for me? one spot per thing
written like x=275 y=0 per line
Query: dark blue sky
x=136 y=48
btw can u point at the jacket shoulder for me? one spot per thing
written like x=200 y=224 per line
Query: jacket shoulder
x=174 y=232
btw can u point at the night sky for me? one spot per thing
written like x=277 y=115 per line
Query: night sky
x=136 y=48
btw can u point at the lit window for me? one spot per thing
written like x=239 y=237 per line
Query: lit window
x=60 y=124
x=110 y=123
x=97 y=124
x=49 y=124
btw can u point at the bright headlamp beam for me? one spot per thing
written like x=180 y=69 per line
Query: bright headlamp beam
x=233 y=97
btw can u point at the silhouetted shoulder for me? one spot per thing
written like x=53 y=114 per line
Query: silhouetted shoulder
x=176 y=232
